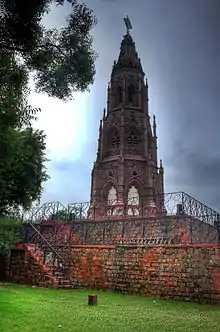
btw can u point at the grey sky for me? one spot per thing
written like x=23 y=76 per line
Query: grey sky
x=179 y=45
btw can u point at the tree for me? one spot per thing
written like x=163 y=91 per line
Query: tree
x=63 y=215
x=22 y=157
x=63 y=61
x=9 y=234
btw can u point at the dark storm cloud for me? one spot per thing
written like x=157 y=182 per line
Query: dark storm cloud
x=179 y=45
x=194 y=114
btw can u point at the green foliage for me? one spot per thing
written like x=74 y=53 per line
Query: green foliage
x=14 y=109
x=9 y=234
x=22 y=157
x=63 y=215
x=22 y=169
x=63 y=61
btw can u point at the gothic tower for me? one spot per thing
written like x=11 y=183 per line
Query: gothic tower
x=126 y=179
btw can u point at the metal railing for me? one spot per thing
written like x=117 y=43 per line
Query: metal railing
x=119 y=222
x=178 y=203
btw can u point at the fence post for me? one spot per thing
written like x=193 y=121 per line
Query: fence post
x=182 y=202
x=217 y=224
x=143 y=229
x=85 y=231
x=103 y=234
x=122 y=230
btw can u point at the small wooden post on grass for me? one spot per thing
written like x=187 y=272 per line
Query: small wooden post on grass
x=92 y=299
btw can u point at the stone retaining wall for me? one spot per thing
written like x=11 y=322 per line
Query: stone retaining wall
x=27 y=268
x=180 y=272
x=181 y=229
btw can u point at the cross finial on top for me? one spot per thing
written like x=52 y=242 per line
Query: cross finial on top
x=127 y=24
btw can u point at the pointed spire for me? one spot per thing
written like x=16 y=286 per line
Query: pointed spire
x=146 y=83
x=154 y=126
x=99 y=151
x=109 y=97
x=100 y=127
x=161 y=166
x=128 y=57
x=104 y=113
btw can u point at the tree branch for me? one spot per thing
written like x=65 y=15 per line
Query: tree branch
x=13 y=48
x=23 y=50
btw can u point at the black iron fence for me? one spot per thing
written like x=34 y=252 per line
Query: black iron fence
x=183 y=219
x=178 y=203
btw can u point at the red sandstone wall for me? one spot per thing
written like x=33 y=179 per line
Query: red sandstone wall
x=190 y=273
x=181 y=229
x=180 y=272
x=26 y=268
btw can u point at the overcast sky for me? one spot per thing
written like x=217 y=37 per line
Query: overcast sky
x=179 y=45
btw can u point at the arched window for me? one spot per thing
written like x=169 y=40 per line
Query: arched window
x=115 y=140
x=132 y=139
x=133 y=196
x=112 y=201
x=112 y=196
x=133 y=202
x=131 y=93
x=119 y=95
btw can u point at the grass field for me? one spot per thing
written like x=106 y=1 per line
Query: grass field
x=27 y=309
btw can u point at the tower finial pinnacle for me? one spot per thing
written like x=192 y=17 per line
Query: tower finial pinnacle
x=127 y=24
x=154 y=126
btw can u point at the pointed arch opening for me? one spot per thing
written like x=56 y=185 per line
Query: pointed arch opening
x=114 y=140
x=112 y=196
x=118 y=95
x=112 y=143
x=112 y=201
x=133 y=201
x=133 y=196
x=131 y=93
x=133 y=139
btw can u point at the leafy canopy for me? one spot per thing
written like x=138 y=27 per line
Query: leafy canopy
x=63 y=61
x=10 y=233
x=22 y=157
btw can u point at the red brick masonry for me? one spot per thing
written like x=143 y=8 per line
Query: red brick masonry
x=190 y=273
x=27 y=268
x=180 y=272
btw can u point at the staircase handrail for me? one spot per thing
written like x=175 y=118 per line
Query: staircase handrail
x=47 y=242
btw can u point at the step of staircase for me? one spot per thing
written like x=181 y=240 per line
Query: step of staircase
x=59 y=279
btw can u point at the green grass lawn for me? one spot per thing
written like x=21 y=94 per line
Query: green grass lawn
x=30 y=309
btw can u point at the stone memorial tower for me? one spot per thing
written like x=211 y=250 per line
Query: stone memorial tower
x=126 y=177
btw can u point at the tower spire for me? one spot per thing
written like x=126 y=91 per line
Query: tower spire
x=99 y=151
x=154 y=126
x=128 y=56
x=126 y=166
